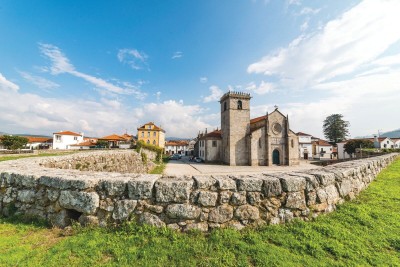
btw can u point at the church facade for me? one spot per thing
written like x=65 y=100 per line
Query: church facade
x=262 y=141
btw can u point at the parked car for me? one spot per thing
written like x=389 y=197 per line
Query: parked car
x=198 y=160
x=174 y=157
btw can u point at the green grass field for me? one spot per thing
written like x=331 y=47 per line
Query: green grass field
x=362 y=232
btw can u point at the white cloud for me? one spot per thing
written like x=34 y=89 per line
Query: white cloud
x=137 y=60
x=7 y=85
x=40 y=82
x=177 y=54
x=203 y=79
x=176 y=118
x=304 y=26
x=309 y=11
x=343 y=46
x=262 y=89
x=61 y=64
x=158 y=95
x=215 y=95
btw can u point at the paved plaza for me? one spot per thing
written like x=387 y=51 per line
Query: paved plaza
x=186 y=167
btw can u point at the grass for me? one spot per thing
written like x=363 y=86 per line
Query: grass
x=362 y=232
x=160 y=167
x=4 y=158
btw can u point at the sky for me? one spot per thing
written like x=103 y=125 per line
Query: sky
x=104 y=67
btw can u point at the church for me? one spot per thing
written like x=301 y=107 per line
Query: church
x=261 y=141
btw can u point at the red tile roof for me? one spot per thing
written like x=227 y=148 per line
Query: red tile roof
x=155 y=128
x=38 y=139
x=177 y=143
x=215 y=134
x=321 y=142
x=258 y=119
x=86 y=143
x=68 y=133
x=113 y=137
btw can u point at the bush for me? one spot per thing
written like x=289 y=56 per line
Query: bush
x=157 y=149
x=13 y=142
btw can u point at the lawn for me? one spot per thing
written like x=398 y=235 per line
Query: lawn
x=362 y=232
x=13 y=157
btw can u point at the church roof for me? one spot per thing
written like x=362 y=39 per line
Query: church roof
x=214 y=134
x=258 y=119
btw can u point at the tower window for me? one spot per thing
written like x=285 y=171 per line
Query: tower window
x=239 y=104
x=224 y=106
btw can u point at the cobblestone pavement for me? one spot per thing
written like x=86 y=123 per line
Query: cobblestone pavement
x=185 y=167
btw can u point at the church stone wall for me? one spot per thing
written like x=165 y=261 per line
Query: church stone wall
x=258 y=153
x=202 y=202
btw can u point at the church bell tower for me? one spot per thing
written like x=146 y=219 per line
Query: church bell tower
x=235 y=126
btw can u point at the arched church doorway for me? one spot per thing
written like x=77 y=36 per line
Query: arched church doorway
x=275 y=157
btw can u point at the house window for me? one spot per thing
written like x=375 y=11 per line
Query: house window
x=148 y=141
x=75 y=138
x=384 y=145
x=239 y=104
x=259 y=142
x=154 y=142
x=154 y=134
x=214 y=143
x=142 y=134
x=58 y=137
x=148 y=134
x=387 y=142
x=149 y=127
x=224 y=106
x=292 y=143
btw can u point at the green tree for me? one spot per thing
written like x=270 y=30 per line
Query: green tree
x=102 y=143
x=335 y=128
x=14 y=142
x=350 y=146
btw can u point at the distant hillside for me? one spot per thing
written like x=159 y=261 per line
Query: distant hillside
x=392 y=134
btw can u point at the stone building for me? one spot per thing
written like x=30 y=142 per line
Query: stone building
x=264 y=140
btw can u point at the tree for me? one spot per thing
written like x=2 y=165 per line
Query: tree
x=350 y=146
x=335 y=128
x=102 y=143
x=14 y=142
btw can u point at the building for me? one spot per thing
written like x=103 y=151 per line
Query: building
x=151 y=134
x=118 y=141
x=64 y=139
x=305 y=145
x=382 y=142
x=322 y=150
x=39 y=142
x=264 y=140
x=210 y=146
x=177 y=147
x=86 y=144
x=396 y=142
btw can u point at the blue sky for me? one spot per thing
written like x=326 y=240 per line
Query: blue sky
x=103 y=67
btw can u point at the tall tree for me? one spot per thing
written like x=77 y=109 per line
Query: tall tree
x=335 y=128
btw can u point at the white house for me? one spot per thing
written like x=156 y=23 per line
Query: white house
x=382 y=142
x=322 y=150
x=64 y=139
x=396 y=142
x=341 y=153
x=305 y=145
x=176 y=147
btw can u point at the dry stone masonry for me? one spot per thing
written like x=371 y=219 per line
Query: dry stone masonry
x=200 y=202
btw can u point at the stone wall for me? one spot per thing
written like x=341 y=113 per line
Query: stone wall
x=183 y=203
x=122 y=161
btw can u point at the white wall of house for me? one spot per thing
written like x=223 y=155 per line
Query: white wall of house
x=323 y=152
x=170 y=149
x=397 y=143
x=341 y=153
x=65 y=141
x=386 y=143
x=78 y=147
x=202 y=149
